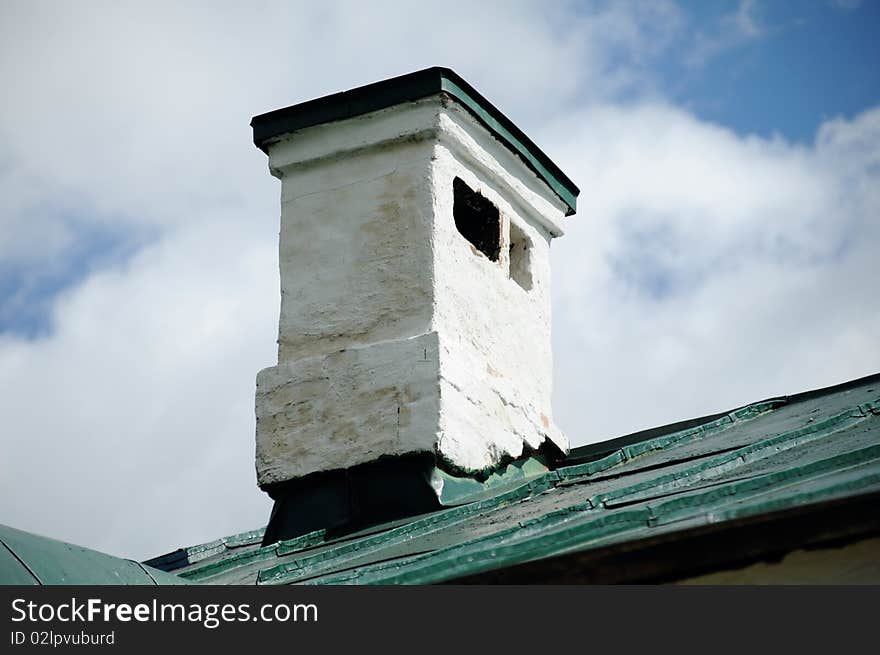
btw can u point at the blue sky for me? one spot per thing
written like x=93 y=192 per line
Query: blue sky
x=724 y=248
x=801 y=63
x=28 y=290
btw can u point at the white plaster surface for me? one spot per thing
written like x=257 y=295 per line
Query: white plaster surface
x=347 y=407
x=396 y=335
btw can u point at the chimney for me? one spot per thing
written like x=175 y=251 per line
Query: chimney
x=414 y=335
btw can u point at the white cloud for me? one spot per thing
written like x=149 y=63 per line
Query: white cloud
x=703 y=269
x=131 y=427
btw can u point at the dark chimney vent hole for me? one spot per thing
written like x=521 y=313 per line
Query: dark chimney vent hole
x=477 y=219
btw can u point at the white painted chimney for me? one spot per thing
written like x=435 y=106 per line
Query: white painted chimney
x=416 y=223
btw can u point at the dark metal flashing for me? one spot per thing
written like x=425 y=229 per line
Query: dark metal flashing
x=674 y=556
x=170 y=561
x=343 y=501
x=408 y=88
x=594 y=451
x=346 y=500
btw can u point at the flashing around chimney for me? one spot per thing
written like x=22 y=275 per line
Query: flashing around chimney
x=344 y=501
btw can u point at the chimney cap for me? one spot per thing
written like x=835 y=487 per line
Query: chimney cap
x=407 y=88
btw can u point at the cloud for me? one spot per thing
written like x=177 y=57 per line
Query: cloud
x=706 y=270
x=124 y=118
x=131 y=427
x=703 y=269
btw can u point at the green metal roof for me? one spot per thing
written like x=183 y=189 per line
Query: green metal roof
x=407 y=88
x=773 y=462
x=29 y=559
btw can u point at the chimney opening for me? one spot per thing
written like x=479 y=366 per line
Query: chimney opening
x=477 y=219
x=520 y=258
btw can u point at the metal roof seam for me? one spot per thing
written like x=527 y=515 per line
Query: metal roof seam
x=22 y=562
x=725 y=462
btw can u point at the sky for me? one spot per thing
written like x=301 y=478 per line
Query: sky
x=725 y=247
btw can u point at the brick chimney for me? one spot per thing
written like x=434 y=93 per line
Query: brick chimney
x=414 y=334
